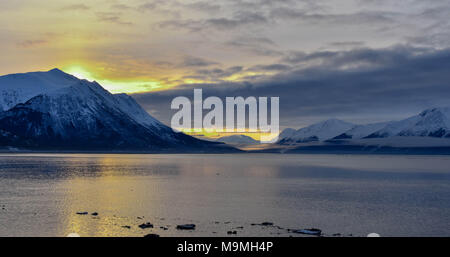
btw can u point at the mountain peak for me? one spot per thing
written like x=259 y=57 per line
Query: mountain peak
x=437 y=110
x=18 y=88
x=54 y=70
x=320 y=131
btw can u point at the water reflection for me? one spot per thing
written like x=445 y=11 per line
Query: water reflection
x=340 y=194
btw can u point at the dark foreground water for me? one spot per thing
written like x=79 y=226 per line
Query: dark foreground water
x=40 y=194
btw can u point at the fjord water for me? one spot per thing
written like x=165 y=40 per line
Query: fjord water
x=393 y=195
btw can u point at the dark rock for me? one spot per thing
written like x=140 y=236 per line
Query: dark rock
x=83 y=213
x=151 y=235
x=163 y=228
x=94 y=213
x=186 y=227
x=266 y=223
x=234 y=232
x=311 y=231
x=128 y=227
x=146 y=225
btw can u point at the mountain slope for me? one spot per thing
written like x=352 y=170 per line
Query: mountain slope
x=433 y=122
x=18 y=88
x=317 y=132
x=81 y=115
x=237 y=140
x=361 y=131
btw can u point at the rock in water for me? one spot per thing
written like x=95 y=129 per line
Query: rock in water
x=311 y=231
x=151 y=235
x=146 y=225
x=186 y=227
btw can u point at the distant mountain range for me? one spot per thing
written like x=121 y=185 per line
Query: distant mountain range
x=427 y=132
x=57 y=111
x=237 y=140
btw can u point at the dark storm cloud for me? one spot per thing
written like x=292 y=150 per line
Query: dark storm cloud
x=402 y=82
x=355 y=59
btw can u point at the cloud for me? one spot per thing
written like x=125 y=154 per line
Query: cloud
x=356 y=18
x=203 y=6
x=270 y=67
x=191 y=61
x=112 y=17
x=403 y=81
x=360 y=58
x=216 y=73
x=120 y=6
x=75 y=7
x=32 y=43
x=346 y=44
x=255 y=45
x=221 y=23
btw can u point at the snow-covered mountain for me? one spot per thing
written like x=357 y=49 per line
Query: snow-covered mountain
x=55 y=110
x=317 y=132
x=237 y=140
x=361 y=131
x=433 y=122
x=18 y=88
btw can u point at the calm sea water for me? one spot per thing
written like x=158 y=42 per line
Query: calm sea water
x=346 y=194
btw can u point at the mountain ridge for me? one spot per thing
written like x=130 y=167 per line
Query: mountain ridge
x=81 y=115
x=432 y=122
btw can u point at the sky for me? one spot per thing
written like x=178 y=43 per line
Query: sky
x=358 y=60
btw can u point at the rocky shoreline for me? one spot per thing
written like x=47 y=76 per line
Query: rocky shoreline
x=154 y=227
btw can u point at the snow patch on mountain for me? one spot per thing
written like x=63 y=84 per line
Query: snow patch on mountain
x=360 y=131
x=433 y=122
x=128 y=105
x=18 y=88
x=54 y=110
x=317 y=132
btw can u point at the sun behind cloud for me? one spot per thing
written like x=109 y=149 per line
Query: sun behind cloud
x=116 y=86
x=78 y=72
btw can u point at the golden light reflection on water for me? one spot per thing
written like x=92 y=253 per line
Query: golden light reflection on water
x=120 y=189
x=106 y=192
x=43 y=192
